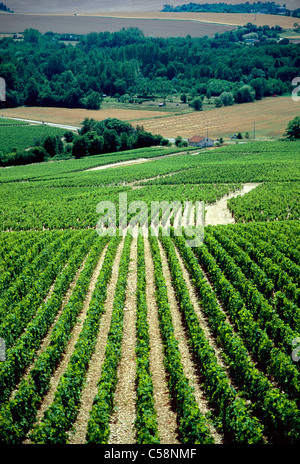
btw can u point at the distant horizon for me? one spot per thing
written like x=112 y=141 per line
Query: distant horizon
x=94 y=6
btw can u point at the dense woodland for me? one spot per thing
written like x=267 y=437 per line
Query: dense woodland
x=43 y=70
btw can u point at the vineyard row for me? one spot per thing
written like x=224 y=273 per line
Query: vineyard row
x=247 y=292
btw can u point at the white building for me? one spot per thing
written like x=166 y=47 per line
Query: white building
x=198 y=141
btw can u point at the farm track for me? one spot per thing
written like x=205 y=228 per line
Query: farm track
x=137 y=161
x=46 y=340
x=201 y=317
x=123 y=417
x=167 y=417
x=78 y=434
x=48 y=398
x=208 y=279
x=189 y=365
x=219 y=213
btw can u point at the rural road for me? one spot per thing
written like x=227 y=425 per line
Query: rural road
x=218 y=213
x=62 y=126
x=121 y=163
x=31 y=121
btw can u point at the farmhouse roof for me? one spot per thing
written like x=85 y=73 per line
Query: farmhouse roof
x=196 y=139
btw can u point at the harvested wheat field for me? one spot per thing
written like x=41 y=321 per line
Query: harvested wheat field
x=84 y=24
x=75 y=116
x=68 y=6
x=270 y=115
x=156 y=24
x=233 y=19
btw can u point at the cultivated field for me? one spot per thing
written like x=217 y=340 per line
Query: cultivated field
x=110 y=356
x=125 y=340
x=270 y=115
x=142 y=339
x=75 y=116
x=68 y=6
x=230 y=19
x=84 y=24
x=154 y=24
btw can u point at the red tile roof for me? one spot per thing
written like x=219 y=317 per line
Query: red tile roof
x=196 y=139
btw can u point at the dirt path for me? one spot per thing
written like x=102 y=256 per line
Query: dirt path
x=189 y=367
x=121 y=163
x=201 y=317
x=234 y=329
x=122 y=420
x=166 y=417
x=48 y=398
x=137 y=161
x=47 y=338
x=218 y=213
x=78 y=433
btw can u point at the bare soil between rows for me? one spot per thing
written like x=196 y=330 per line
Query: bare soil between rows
x=219 y=213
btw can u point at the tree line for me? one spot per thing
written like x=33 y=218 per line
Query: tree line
x=94 y=138
x=221 y=7
x=41 y=70
x=3 y=7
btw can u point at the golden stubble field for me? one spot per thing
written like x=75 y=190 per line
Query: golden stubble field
x=270 y=116
x=156 y=24
x=67 y=6
x=84 y=24
x=233 y=19
x=75 y=116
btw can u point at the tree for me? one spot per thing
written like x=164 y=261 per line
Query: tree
x=69 y=136
x=244 y=94
x=196 y=104
x=145 y=139
x=227 y=98
x=94 y=143
x=284 y=41
x=31 y=92
x=79 y=147
x=112 y=141
x=120 y=86
x=31 y=35
x=218 y=102
x=183 y=98
x=37 y=154
x=115 y=124
x=258 y=84
x=93 y=101
x=125 y=142
x=52 y=144
x=55 y=65
x=292 y=131
x=178 y=140
x=87 y=125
